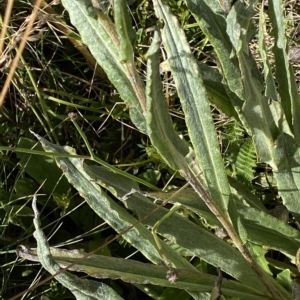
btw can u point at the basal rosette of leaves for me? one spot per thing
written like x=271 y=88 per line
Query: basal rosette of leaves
x=240 y=89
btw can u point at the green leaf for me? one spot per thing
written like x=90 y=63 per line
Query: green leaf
x=83 y=289
x=287 y=88
x=270 y=90
x=174 y=294
x=99 y=34
x=256 y=110
x=262 y=228
x=211 y=19
x=286 y=155
x=284 y=278
x=25 y=186
x=159 y=125
x=259 y=253
x=132 y=271
x=125 y=31
x=195 y=104
x=266 y=230
x=116 y=216
x=218 y=91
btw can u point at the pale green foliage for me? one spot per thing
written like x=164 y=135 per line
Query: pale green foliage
x=273 y=131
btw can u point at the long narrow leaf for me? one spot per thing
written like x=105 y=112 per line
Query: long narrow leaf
x=99 y=34
x=140 y=273
x=159 y=125
x=286 y=155
x=83 y=289
x=256 y=110
x=116 y=216
x=196 y=107
x=211 y=18
x=284 y=72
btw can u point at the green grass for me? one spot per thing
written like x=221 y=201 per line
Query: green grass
x=56 y=77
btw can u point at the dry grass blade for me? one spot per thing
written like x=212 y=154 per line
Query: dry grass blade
x=5 y=24
x=26 y=35
x=294 y=54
